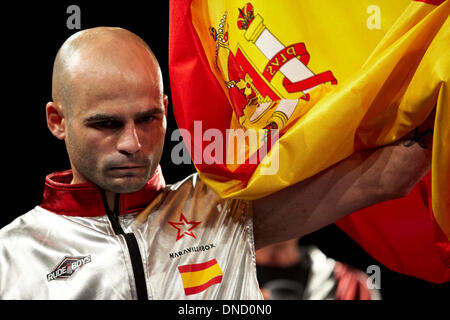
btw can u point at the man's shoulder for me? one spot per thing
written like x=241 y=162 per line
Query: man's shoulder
x=192 y=179
x=191 y=184
x=19 y=226
x=193 y=191
x=194 y=187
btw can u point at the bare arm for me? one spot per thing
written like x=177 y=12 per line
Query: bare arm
x=364 y=179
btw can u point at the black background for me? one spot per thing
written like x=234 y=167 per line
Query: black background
x=31 y=36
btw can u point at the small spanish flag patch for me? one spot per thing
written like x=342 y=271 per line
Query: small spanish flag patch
x=198 y=277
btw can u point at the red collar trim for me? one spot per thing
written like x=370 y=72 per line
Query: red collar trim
x=85 y=199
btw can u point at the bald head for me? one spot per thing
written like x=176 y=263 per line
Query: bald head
x=96 y=54
x=109 y=108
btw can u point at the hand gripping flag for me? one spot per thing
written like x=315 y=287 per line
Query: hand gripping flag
x=332 y=77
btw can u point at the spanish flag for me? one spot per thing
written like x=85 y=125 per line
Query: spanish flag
x=198 y=277
x=333 y=77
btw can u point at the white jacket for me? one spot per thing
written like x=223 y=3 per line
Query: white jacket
x=184 y=242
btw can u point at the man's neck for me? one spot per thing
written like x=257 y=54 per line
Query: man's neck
x=110 y=196
x=110 y=199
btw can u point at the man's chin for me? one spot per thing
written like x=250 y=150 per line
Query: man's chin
x=125 y=185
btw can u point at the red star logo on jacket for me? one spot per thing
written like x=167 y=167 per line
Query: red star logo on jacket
x=184 y=227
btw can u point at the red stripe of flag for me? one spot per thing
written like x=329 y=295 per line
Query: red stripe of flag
x=194 y=290
x=197 y=267
x=433 y=2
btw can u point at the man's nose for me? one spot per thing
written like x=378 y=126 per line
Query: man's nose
x=128 y=142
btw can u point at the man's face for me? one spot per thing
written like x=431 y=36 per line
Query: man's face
x=115 y=128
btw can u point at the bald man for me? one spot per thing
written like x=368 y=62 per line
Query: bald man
x=109 y=228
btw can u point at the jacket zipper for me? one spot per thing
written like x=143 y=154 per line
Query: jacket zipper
x=133 y=248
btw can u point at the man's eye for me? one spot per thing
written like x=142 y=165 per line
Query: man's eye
x=146 y=119
x=106 y=124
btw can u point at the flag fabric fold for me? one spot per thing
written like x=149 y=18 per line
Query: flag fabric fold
x=332 y=78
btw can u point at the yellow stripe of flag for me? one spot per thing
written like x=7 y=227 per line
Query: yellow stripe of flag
x=198 y=277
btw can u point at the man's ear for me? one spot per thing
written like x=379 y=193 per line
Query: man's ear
x=55 y=120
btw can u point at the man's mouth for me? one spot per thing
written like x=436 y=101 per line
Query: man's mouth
x=127 y=168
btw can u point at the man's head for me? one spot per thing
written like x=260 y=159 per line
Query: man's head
x=109 y=108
